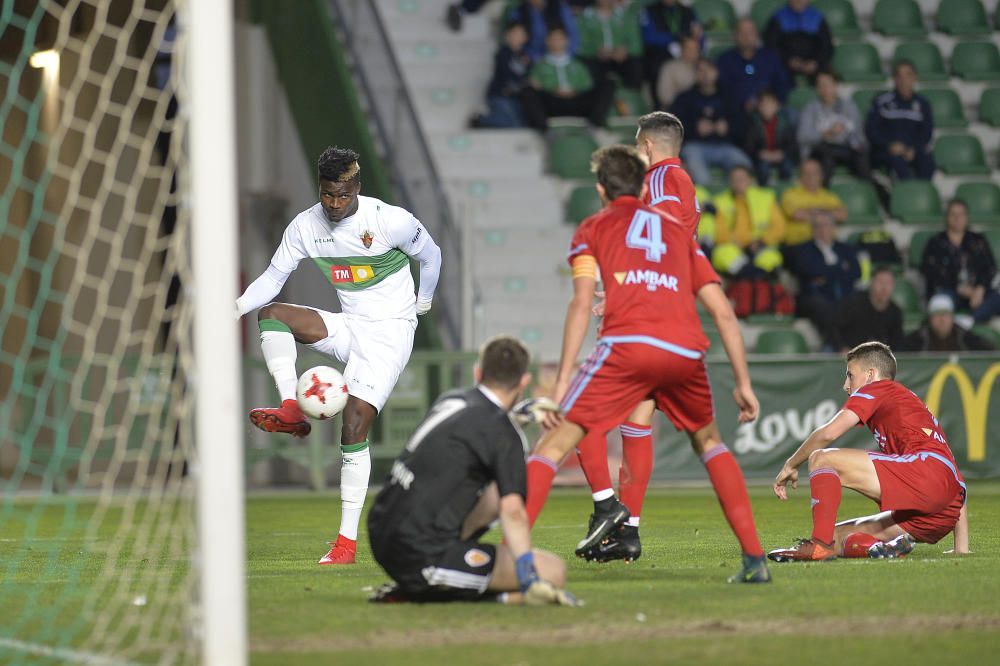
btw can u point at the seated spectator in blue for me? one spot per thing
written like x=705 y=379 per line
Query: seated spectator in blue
x=747 y=70
x=770 y=140
x=827 y=270
x=899 y=127
x=707 y=134
x=540 y=16
x=610 y=42
x=664 y=24
x=510 y=71
x=801 y=36
x=940 y=333
x=830 y=131
x=959 y=263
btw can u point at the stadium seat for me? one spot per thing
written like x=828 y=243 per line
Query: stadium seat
x=800 y=96
x=993 y=236
x=898 y=18
x=631 y=102
x=983 y=200
x=762 y=11
x=841 y=18
x=715 y=348
x=857 y=62
x=915 y=252
x=989 y=333
x=717 y=16
x=583 y=202
x=916 y=202
x=947 y=107
x=962 y=18
x=960 y=154
x=863 y=99
x=926 y=57
x=906 y=297
x=989 y=107
x=976 y=61
x=861 y=202
x=569 y=155
x=781 y=341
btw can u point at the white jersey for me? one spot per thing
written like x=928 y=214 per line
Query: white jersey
x=365 y=257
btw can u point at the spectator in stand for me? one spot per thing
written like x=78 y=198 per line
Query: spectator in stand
x=899 y=127
x=808 y=200
x=770 y=140
x=959 y=263
x=677 y=75
x=610 y=42
x=827 y=270
x=940 y=333
x=749 y=227
x=540 y=17
x=747 y=70
x=802 y=38
x=830 y=131
x=702 y=112
x=871 y=315
x=561 y=85
x=664 y=24
x=510 y=71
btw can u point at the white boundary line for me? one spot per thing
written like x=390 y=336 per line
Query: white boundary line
x=66 y=654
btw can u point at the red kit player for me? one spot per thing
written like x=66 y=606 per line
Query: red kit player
x=913 y=476
x=651 y=345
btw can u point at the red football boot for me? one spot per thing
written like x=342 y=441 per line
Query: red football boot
x=343 y=551
x=805 y=550
x=288 y=419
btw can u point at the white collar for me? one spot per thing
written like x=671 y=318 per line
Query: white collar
x=491 y=396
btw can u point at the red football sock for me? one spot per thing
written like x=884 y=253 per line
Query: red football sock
x=826 y=493
x=593 y=454
x=540 y=472
x=637 y=466
x=856 y=544
x=731 y=489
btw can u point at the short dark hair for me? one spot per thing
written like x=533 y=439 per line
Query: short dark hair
x=829 y=72
x=619 y=170
x=767 y=92
x=957 y=202
x=663 y=125
x=338 y=165
x=882 y=268
x=875 y=355
x=903 y=62
x=503 y=360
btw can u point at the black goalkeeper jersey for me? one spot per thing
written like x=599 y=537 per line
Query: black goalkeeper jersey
x=464 y=443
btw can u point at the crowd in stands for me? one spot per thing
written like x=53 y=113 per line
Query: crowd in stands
x=564 y=58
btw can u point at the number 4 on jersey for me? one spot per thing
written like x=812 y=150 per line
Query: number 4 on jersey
x=644 y=233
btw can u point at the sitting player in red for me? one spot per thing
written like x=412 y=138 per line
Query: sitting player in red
x=651 y=346
x=913 y=476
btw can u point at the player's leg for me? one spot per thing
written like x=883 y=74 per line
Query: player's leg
x=875 y=536
x=281 y=325
x=544 y=462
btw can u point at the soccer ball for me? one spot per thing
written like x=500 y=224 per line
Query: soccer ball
x=321 y=392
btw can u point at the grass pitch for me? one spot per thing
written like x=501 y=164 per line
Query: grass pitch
x=671 y=606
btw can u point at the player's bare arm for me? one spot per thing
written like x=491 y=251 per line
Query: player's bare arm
x=820 y=438
x=961 y=533
x=718 y=306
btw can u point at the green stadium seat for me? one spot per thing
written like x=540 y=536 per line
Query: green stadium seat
x=989 y=333
x=976 y=61
x=962 y=18
x=863 y=99
x=926 y=57
x=989 y=106
x=993 y=236
x=861 y=202
x=717 y=16
x=906 y=297
x=960 y=154
x=781 y=341
x=915 y=252
x=841 y=18
x=801 y=96
x=631 y=102
x=947 y=107
x=916 y=202
x=983 y=200
x=857 y=62
x=762 y=11
x=569 y=155
x=898 y=18
x=715 y=348
x=583 y=202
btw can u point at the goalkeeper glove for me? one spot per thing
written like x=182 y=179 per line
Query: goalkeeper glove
x=526 y=573
x=533 y=410
x=423 y=307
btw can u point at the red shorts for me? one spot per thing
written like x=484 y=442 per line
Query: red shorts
x=923 y=491
x=620 y=374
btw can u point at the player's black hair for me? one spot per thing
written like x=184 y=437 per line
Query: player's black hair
x=338 y=165
x=875 y=355
x=503 y=360
x=662 y=125
x=619 y=170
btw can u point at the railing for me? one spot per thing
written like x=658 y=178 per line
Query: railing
x=407 y=155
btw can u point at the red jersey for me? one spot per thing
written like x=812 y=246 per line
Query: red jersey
x=645 y=260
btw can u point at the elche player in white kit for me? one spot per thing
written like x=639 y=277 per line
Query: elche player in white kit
x=363 y=246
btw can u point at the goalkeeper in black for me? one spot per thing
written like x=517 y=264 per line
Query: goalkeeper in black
x=463 y=468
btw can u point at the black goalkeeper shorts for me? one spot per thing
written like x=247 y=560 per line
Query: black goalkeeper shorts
x=460 y=573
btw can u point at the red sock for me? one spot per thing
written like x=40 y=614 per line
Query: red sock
x=637 y=465
x=856 y=544
x=731 y=489
x=593 y=454
x=541 y=471
x=825 y=486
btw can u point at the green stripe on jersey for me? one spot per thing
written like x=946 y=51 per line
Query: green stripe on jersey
x=273 y=325
x=356 y=273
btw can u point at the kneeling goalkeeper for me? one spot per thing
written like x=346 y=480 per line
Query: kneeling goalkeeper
x=462 y=468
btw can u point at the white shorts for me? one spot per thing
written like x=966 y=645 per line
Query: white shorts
x=374 y=352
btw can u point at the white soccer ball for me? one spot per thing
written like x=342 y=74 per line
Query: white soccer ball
x=321 y=392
